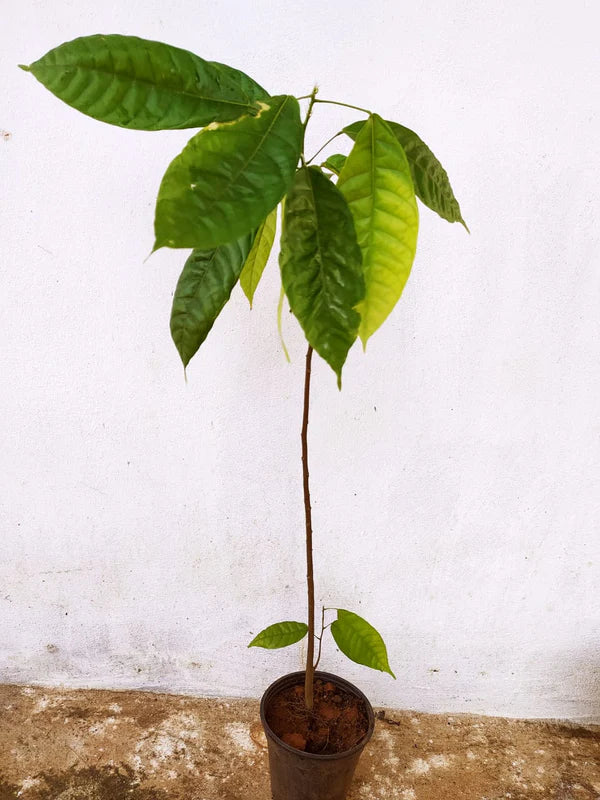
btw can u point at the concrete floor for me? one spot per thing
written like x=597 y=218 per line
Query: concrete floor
x=101 y=745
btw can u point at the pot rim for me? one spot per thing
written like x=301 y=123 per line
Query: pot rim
x=293 y=677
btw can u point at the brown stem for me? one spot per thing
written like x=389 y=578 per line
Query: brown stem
x=310 y=584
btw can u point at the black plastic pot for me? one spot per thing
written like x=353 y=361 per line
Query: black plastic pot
x=296 y=775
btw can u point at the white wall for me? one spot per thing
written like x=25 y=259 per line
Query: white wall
x=150 y=528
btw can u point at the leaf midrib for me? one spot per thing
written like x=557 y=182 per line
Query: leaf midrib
x=322 y=272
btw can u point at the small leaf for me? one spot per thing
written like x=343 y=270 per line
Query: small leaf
x=430 y=179
x=281 y=634
x=202 y=290
x=360 y=641
x=335 y=163
x=321 y=265
x=229 y=177
x=258 y=256
x=377 y=185
x=145 y=85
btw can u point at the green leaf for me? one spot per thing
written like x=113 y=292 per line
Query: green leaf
x=146 y=85
x=321 y=265
x=360 y=641
x=258 y=256
x=281 y=634
x=376 y=182
x=430 y=179
x=202 y=290
x=229 y=177
x=335 y=163
x=247 y=84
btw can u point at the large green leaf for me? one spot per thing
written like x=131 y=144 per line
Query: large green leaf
x=247 y=84
x=202 y=290
x=360 y=641
x=229 y=177
x=429 y=177
x=281 y=634
x=321 y=265
x=137 y=83
x=258 y=256
x=376 y=182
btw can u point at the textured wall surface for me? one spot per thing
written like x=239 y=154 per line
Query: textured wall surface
x=149 y=528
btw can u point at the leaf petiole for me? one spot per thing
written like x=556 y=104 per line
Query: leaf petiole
x=346 y=105
x=323 y=629
x=324 y=146
x=305 y=123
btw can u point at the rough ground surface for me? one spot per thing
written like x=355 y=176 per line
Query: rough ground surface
x=99 y=745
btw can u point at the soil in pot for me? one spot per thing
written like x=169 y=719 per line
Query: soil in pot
x=338 y=720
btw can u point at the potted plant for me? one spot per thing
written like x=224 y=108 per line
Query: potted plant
x=348 y=240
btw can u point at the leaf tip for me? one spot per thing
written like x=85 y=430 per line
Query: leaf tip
x=156 y=247
x=465 y=226
x=185 y=359
x=24 y=67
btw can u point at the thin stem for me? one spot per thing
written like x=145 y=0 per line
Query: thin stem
x=320 y=638
x=304 y=97
x=308 y=113
x=346 y=105
x=324 y=146
x=310 y=583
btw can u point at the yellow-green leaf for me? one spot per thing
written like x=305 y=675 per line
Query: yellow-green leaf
x=376 y=182
x=359 y=640
x=258 y=256
x=430 y=179
x=281 y=634
x=280 y=324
